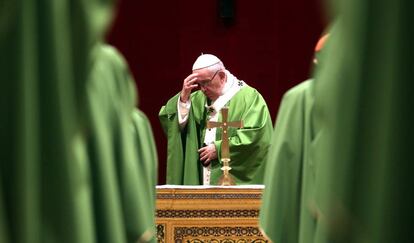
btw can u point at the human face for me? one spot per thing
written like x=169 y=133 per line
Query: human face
x=206 y=82
x=211 y=84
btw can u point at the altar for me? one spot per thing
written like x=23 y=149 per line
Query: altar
x=209 y=214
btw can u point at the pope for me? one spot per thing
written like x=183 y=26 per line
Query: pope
x=194 y=151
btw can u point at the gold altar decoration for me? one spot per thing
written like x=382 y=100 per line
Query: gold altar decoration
x=225 y=179
x=216 y=214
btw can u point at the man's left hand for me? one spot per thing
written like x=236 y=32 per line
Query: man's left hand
x=207 y=154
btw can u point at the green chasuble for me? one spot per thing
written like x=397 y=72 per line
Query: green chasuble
x=122 y=167
x=147 y=158
x=44 y=171
x=363 y=106
x=248 y=146
x=3 y=232
x=287 y=172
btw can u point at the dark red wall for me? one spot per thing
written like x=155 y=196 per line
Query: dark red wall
x=269 y=44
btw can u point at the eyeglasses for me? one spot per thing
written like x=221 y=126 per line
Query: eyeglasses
x=204 y=83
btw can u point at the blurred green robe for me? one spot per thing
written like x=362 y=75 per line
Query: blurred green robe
x=248 y=145
x=287 y=179
x=148 y=160
x=123 y=186
x=363 y=115
x=44 y=170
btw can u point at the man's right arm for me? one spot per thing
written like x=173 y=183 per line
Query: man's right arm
x=183 y=109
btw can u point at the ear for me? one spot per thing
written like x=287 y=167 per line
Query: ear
x=222 y=75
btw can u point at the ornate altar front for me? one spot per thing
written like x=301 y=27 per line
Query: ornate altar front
x=208 y=214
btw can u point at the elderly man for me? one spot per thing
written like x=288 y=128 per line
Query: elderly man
x=194 y=152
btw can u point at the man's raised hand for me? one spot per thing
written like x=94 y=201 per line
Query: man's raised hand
x=189 y=84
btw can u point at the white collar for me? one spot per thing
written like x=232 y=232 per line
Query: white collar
x=230 y=80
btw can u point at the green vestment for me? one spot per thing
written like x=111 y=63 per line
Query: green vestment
x=123 y=188
x=248 y=146
x=287 y=172
x=363 y=108
x=148 y=160
x=4 y=235
x=44 y=171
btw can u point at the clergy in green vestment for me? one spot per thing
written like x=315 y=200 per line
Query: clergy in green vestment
x=194 y=152
x=286 y=167
x=69 y=169
x=363 y=112
x=121 y=151
x=44 y=171
x=148 y=159
x=3 y=232
x=286 y=213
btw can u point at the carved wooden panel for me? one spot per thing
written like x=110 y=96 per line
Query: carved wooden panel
x=211 y=214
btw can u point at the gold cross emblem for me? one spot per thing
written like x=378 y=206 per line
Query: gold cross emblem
x=226 y=179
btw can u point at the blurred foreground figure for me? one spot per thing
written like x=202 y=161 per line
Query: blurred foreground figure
x=289 y=180
x=362 y=137
x=121 y=151
x=52 y=188
x=363 y=125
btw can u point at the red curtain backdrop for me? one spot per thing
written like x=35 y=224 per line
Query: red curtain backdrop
x=268 y=44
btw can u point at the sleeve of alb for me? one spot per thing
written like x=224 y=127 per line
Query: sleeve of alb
x=183 y=110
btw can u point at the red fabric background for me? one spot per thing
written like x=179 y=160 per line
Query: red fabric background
x=269 y=45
